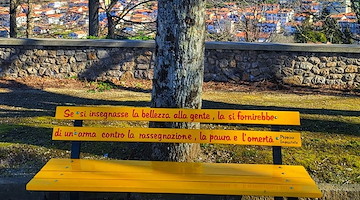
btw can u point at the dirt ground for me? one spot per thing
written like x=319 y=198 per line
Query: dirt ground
x=70 y=83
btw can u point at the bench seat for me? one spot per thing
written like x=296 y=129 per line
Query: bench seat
x=173 y=177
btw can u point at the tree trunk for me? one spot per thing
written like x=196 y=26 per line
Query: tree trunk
x=110 y=26
x=13 y=26
x=94 y=18
x=29 y=20
x=179 y=68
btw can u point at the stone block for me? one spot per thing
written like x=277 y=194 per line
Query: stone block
x=127 y=66
x=350 y=61
x=239 y=57
x=148 y=53
x=306 y=66
x=324 y=71
x=62 y=60
x=60 y=52
x=293 y=80
x=211 y=61
x=150 y=74
x=27 y=52
x=52 y=53
x=318 y=80
x=289 y=63
x=81 y=66
x=143 y=59
x=232 y=63
x=65 y=68
x=230 y=74
x=92 y=56
x=348 y=77
x=22 y=73
x=308 y=74
x=69 y=52
x=140 y=74
x=341 y=64
x=330 y=82
x=314 y=60
x=335 y=76
x=351 y=69
x=42 y=71
x=357 y=78
x=337 y=70
x=299 y=72
x=322 y=65
x=142 y=66
x=72 y=60
x=31 y=70
x=331 y=64
x=81 y=57
x=315 y=70
x=114 y=73
x=307 y=80
x=301 y=59
x=324 y=59
x=223 y=63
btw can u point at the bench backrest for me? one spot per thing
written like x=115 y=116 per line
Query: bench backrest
x=273 y=138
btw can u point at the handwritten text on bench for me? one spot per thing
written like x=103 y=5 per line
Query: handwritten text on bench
x=177 y=135
x=179 y=115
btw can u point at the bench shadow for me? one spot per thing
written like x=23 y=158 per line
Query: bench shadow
x=23 y=101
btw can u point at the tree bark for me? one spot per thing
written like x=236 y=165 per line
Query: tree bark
x=179 y=68
x=29 y=20
x=110 y=26
x=13 y=25
x=94 y=18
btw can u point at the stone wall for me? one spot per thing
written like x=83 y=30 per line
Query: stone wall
x=294 y=64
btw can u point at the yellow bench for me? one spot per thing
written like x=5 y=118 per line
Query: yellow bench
x=87 y=175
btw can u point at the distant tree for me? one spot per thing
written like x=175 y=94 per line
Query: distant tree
x=119 y=19
x=29 y=19
x=306 y=33
x=355 y=6
x=179 y=68
x=13 y=12
x=330 y=31
x=94 y=17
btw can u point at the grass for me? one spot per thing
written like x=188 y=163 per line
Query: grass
x=330 y=129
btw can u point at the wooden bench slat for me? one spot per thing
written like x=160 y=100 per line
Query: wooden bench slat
x=178 y=115
x=132 y=166
x=240 y=137
x=188 y=187
x=183 y=187
x=159 y=176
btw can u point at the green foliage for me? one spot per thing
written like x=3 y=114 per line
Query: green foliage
x=141 y=36
x=330 y=31
x=99 y=86
x=72 y=77
x=95 y=37
x=310 y=36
